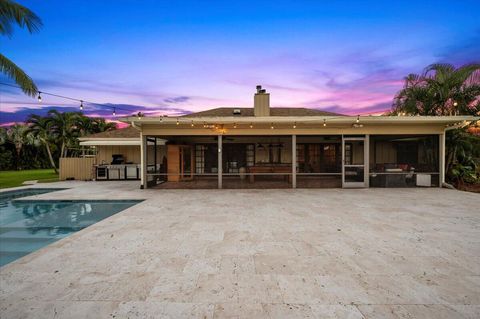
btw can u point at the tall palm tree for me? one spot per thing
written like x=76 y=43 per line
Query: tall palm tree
x=64 y=127
x=40 y=127
x=12 y=13
x=441 y=89
x=16 y=135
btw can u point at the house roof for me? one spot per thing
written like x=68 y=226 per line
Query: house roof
x=248 y=111
x=122 y=133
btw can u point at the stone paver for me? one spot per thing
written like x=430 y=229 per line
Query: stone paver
x=316 y=253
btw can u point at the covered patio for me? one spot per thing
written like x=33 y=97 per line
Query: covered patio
x=293 y=161
x=243 y=161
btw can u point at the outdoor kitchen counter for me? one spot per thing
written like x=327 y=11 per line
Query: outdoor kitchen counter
x=117 y=172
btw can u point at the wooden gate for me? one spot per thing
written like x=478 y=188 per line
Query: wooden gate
x=76 y=168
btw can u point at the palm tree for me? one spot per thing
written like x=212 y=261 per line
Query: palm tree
x=13 y=13
x=3 y=135
x=85 y=125
x=16 y=135
x=40 y=127
x=100 y=125
x=441 y=89
x=65 y=129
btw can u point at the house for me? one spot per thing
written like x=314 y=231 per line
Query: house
x=269 y=147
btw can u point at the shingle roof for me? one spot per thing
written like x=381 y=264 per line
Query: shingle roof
x=127 y=132
x=274 y=111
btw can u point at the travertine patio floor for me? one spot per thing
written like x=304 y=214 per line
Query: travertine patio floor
x=329 y=253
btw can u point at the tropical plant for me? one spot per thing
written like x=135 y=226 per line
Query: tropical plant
x=441 y=89
x=16 y=134
x=101 y=125
x=12 y=13
x=465 y=172
x=41 y=128
x=92 y=125
x=64 y=128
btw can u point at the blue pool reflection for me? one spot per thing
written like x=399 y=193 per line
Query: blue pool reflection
x=27 y=225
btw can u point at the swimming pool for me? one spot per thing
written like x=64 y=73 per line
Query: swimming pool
x=28 y=225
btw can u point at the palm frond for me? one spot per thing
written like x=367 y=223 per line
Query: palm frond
x=11 y=70
x=12 y=12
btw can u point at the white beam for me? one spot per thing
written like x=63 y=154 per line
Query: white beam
x=367 y=160
x=294 y=161
x=220 y=169
x=143 y=161
x=441 y=159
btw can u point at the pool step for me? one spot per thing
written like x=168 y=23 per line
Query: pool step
x=23 y=244
x=29 y=232
x=7 y=257
x=25 y=233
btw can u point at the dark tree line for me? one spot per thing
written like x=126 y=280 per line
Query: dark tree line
x=42 y=140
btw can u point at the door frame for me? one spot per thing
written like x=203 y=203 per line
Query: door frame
x=182 y=156
x=365 y=165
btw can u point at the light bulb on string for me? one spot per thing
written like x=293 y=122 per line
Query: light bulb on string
x=114 y=113
x=324 y=122
x=358 y=118
x=39 y=97
x=81 y=105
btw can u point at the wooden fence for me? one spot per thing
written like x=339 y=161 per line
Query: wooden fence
x=76 y=168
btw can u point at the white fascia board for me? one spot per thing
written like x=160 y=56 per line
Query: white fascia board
x=303 y=119
x=107 y=142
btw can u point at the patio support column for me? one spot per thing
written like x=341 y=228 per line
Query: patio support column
x=143 y=161
x=367 y=160
x=441 y=158
x=294 y=161
x=220 y=169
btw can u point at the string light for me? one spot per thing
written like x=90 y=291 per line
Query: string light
x=234 y=125
x=192 y=124
x=39 y=98
x=358 y=119
x=295 y=125
x=114 y=113
x=324 y=122
x=455 y=103
x=272 y=127
x=251 y=125
x=178 y=123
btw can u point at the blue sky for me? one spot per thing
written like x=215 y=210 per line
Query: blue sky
x=170 y=57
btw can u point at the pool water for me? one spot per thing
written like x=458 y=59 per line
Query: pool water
x=28 y=225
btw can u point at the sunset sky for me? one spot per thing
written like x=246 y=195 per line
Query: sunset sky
x=173 y=57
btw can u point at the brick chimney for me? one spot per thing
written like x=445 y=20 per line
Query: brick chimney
x=261 y=102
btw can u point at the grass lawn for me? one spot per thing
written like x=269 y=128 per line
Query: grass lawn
x=16 y=178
